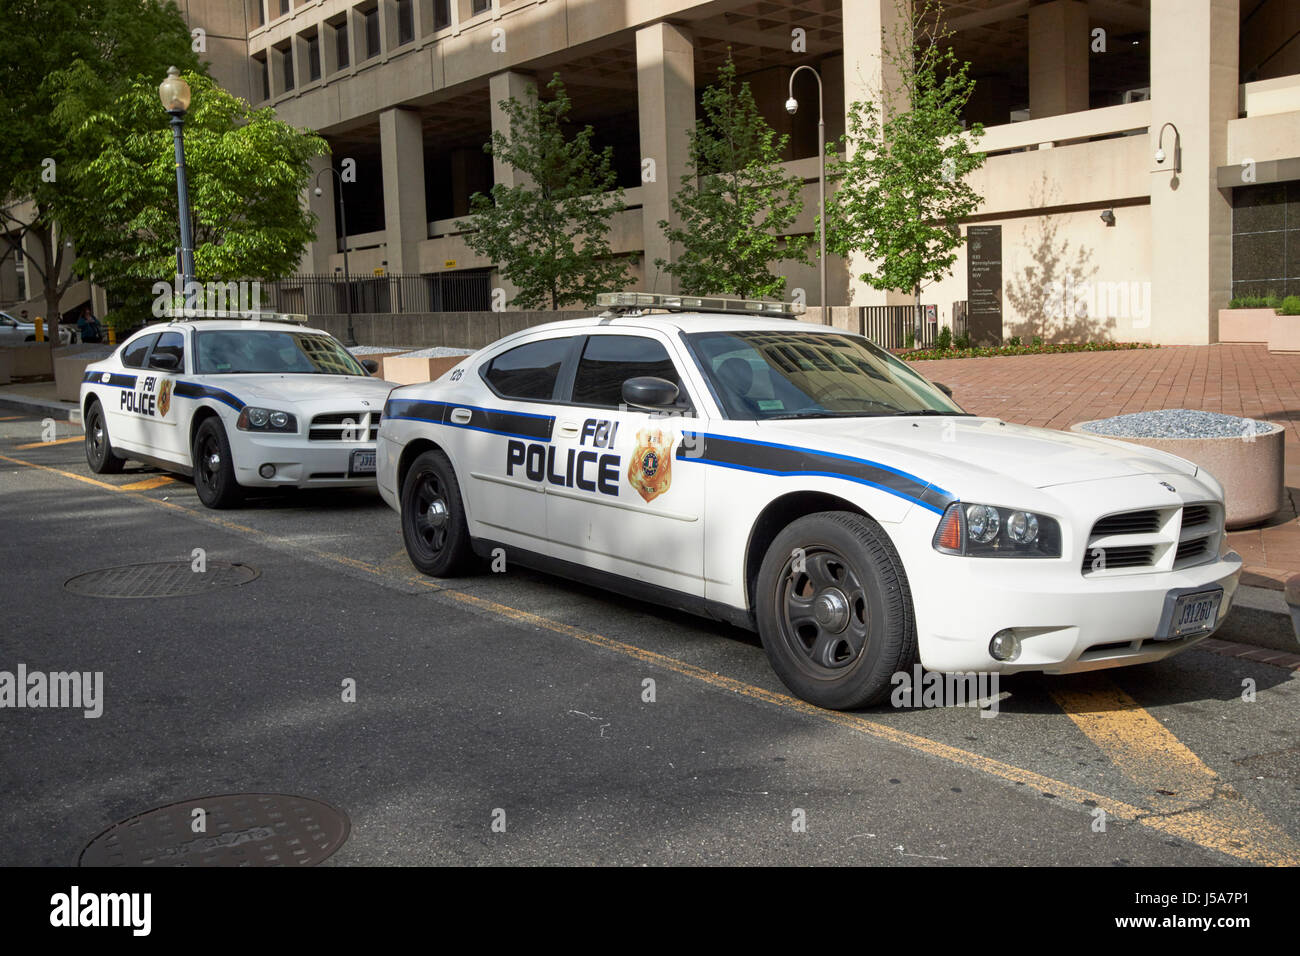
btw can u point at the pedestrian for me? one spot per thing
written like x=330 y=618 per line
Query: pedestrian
x=89 y=327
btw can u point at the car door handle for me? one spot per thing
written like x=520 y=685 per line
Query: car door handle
x=568 y=429
x=461 y=416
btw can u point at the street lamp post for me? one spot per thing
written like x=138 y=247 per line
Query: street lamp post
x=175 y=95
x=343 y=225
x=792 y=107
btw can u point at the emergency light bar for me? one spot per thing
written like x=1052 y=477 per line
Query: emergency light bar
x=638 y=301
x=183 y=314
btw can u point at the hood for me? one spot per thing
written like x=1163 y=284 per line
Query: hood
x=956 y=446
x=342 y=390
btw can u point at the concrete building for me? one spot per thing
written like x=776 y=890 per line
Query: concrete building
x=1097 y=238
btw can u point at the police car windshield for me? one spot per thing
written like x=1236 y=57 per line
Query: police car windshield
x=268 y=351
x=762 y=374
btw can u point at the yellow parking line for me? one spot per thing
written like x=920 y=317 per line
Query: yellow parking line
x=43 y=444
x=145 y=484
x=1188 y=798
x=10 y=418
x=1245 y=835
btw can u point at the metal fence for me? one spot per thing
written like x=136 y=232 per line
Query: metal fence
x=893 y=326
x=468 y=291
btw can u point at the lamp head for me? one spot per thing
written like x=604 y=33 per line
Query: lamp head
x=792 y=106
x=1160 y=155
x=174 y=92
x=317 y=191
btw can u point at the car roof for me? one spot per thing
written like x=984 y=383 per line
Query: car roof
x=688 y=322
x=229 y=325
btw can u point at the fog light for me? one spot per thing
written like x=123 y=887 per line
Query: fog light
x=267 y=471
x=1005 y=646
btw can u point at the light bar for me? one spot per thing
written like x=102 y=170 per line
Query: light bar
x=183 y=314
x=695 y=303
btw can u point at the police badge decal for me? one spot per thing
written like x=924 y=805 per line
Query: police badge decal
x=651 y=469
x=164 y=397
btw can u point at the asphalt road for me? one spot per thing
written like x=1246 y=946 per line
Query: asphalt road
x=520 y=696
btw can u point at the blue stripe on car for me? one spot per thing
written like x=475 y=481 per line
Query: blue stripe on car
x=196 y=391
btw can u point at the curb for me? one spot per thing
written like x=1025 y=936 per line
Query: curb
x=65 y=411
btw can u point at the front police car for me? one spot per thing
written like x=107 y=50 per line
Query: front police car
x=237 y=403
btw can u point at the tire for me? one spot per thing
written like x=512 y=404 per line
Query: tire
x=99 y=448
x=214 y=477
x=834 y=610
x=433 y=517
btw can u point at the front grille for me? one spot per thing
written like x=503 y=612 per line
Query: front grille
x=345 y=426
x=1114 y=558
x=1130 y=522
x=1194 y=515
x=1194 y=548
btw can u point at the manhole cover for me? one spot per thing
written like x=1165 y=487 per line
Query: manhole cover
x=241 y=829
x=164 y=579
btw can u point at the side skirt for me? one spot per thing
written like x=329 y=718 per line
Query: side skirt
x=606 y=580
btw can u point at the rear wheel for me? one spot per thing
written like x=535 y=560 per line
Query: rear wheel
x=214 y=467
x=834 y=610
x=99 y=449
x=433 y=517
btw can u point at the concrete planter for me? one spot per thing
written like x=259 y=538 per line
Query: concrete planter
x=1251 y=472
x=1284 y=333
x=1245 y=325
x=6 y=366
x=31 y=360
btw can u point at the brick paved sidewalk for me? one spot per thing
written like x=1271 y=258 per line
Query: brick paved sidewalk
x=1055 y=391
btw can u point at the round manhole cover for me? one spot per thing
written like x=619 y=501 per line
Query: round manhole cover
x=163 y=579
x=242 y=829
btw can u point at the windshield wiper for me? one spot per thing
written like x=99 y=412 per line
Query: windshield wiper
x=928 y=411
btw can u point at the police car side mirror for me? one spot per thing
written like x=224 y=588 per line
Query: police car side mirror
x=649 y=392
x=167 y=361
x=946 y=389
x=370 y=365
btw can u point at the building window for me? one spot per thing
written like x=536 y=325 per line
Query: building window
x=259 y=12
x=313 y=56
x=284 y=8
x=1266 y=239
x=405 y=22
x=341 y=44
x=480 y=6
x=441 y=14
x=263 y=76
x=286 y=66
x=371 y=23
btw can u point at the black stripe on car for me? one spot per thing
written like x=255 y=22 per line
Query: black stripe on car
x=512 y=424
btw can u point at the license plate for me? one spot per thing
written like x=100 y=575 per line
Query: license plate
x=1193 y=613
x=362 y=463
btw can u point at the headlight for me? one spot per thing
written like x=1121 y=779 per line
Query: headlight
x=254 y=419
x=994 y=531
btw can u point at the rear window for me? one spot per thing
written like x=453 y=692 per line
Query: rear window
x=133 y=353
x=528 y=372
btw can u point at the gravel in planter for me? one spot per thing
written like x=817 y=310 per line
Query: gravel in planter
x=437 y=352
x=372 y=349
x=1177 y=423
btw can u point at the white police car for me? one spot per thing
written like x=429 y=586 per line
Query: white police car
x=799 y=480
x=237 y=403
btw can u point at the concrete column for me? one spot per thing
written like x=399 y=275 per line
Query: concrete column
x=1193 y=86
x=1058 y=58
x=401 y=144
x=871 y=29
x=316 y=257
x=507 y=86
x=665 y=68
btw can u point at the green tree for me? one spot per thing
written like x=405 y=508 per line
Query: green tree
x=549 y=233
x=735 y=202
x=247 y=172
x=109 y=42
x=901 y=192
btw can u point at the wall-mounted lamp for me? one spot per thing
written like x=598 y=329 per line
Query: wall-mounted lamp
x=1108 y=217
x=1178 y=147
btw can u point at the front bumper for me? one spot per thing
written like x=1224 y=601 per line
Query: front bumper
x=298 y=462
x=1066 y=623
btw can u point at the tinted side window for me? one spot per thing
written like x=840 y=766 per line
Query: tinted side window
x=528 y=371
x=170 y=343
x=134 y=352
x=609 y=360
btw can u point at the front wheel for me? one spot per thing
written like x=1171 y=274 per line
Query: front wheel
x=433 y=517
x=834 y=610
x=214 y=466
x=99 y=449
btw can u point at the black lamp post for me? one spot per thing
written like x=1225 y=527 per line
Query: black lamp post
x=792 y=107
x=175 y=95
x=343 y=225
